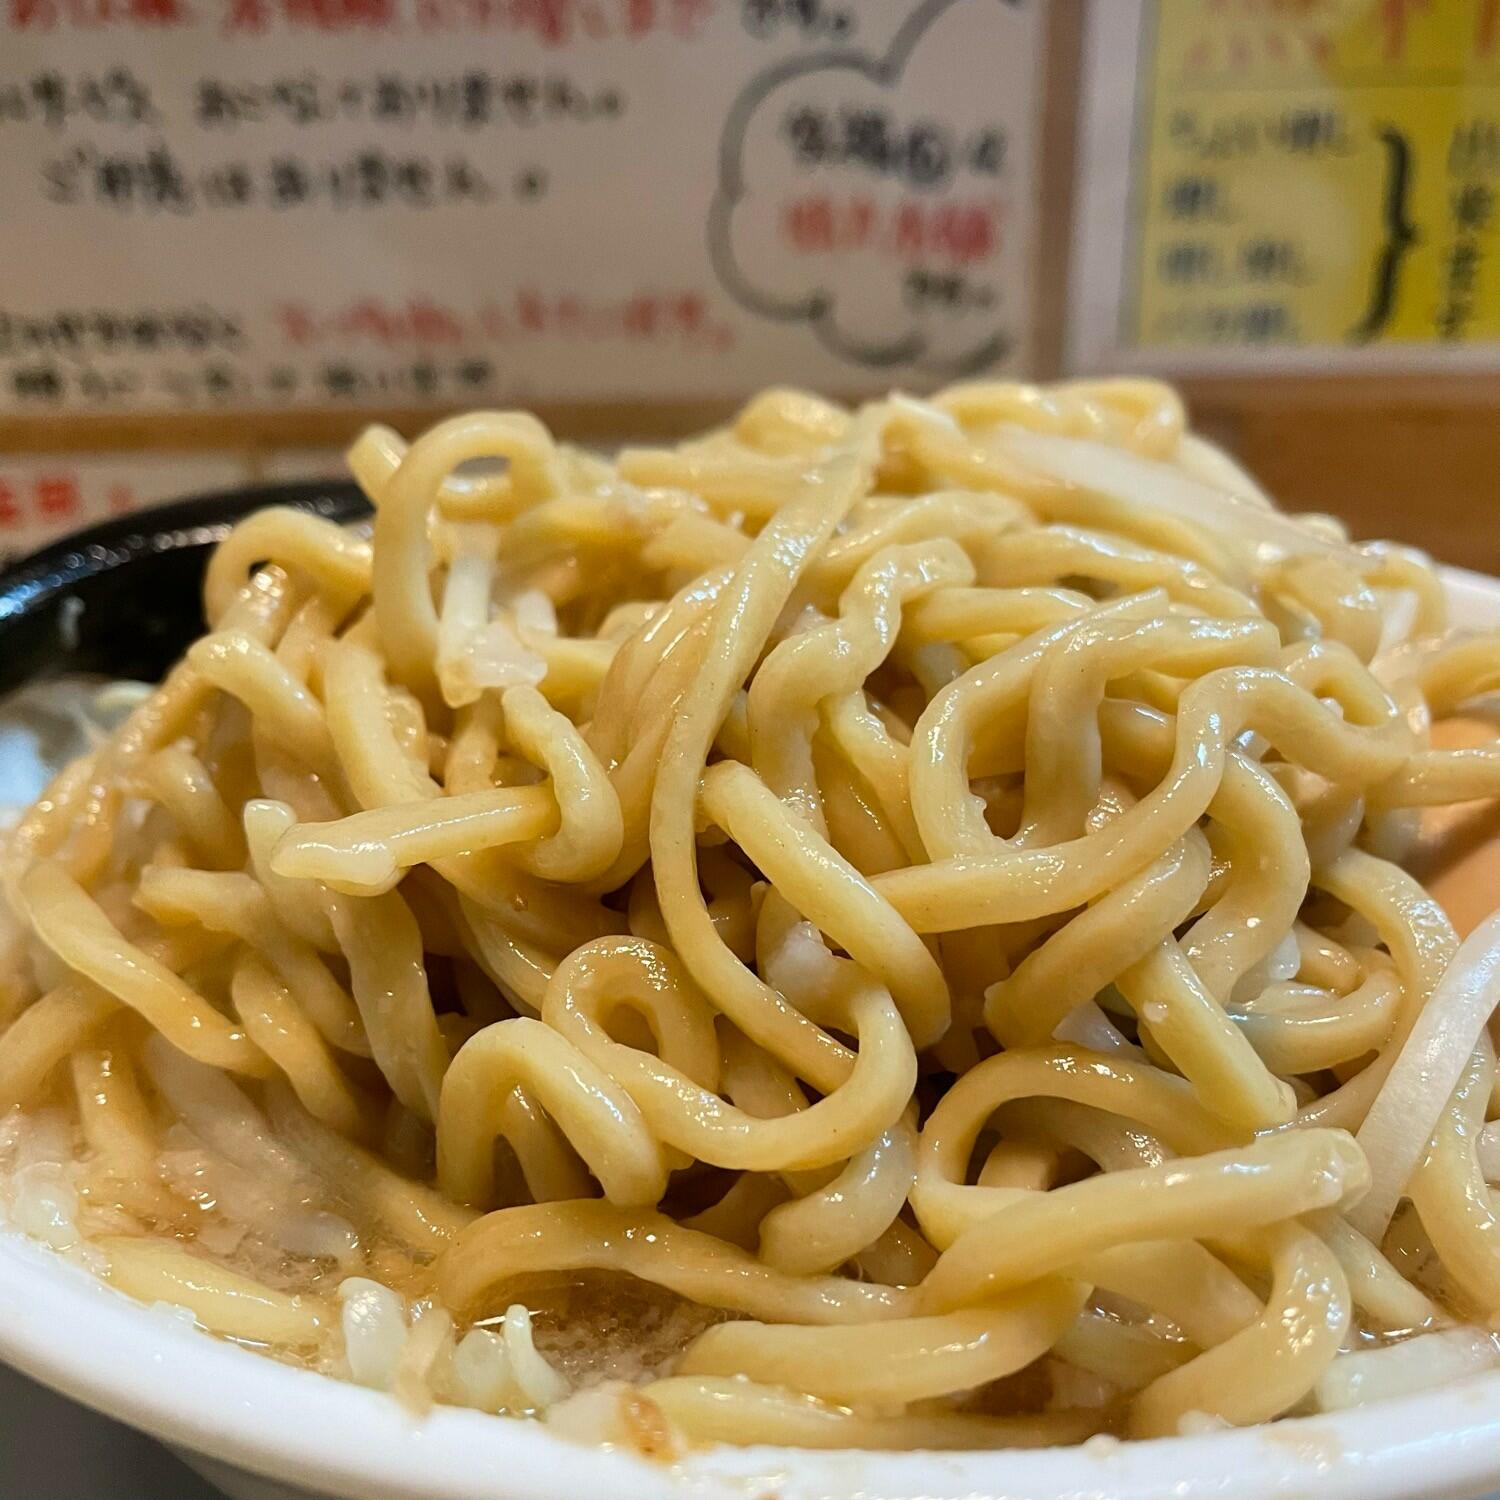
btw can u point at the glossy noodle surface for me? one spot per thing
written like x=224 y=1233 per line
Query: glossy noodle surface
x=907 y=927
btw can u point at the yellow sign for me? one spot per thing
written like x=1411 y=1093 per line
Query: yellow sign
x=1318 y=173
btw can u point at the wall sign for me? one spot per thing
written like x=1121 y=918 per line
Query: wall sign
x=1312 y=185
x=238 y=204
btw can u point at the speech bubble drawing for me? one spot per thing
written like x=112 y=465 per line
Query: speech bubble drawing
x=883 y=201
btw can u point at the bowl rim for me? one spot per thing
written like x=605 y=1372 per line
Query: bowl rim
x=192 y=521
x=152 y=1371
x=63 y=1327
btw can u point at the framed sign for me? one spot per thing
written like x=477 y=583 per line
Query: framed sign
x=1311 y=187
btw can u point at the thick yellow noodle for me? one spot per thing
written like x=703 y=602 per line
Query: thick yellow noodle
x=908 y=901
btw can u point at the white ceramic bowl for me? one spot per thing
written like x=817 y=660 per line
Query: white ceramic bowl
x=262 y=1431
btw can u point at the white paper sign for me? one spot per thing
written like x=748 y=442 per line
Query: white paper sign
x=222 y=204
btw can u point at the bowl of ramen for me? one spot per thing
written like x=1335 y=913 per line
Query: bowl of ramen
x=941 y=948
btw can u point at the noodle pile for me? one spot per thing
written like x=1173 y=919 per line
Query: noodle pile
x=882 y=928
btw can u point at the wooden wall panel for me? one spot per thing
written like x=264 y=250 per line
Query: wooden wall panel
x=1417 y=460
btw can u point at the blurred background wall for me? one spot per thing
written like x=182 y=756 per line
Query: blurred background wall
x=231 y=231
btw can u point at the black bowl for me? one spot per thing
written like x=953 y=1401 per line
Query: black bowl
x=124 y=599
